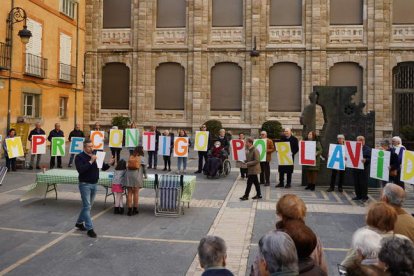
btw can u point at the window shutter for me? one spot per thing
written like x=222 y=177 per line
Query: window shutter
x=34 y=46
x=65 y=49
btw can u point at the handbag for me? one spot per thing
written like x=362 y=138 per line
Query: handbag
x=134 y=162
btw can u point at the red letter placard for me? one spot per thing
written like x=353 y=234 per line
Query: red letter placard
x=307 y=153
x=354 y=155
x=38 y=144
x=237 y=149
x=148 y=141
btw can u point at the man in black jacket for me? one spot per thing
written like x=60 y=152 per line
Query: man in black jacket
x=57 y=132
x=202 y=155
x=36 y=131
x=87 y=168
x=152 y=155
x=361 y=176
x=288 y=169
x=76 y=132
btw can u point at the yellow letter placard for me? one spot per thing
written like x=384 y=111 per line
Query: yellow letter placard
x=201 y=141
x=407 y=169
x=14 y=147
x=180 y=146
x=284 y=154
x=115 y=138
x=97 y=138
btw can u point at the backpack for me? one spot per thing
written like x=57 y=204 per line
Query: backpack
x=134 y=162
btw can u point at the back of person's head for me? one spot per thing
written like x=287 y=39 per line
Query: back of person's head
x=121 y=166
x=381 y=216
x=367 y=243
x=393 y=194
x=138 y=151
x=291 y=206
x=304 y=238
x=277 y=252
x=212 y=251
x=398 y=256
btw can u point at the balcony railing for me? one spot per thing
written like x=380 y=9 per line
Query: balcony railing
x=35 y=66
x=4 y=56
x=67 y=73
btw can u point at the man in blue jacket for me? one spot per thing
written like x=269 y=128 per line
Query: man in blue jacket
x=88 y=178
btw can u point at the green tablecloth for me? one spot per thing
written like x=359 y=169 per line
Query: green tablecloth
x=59 y=176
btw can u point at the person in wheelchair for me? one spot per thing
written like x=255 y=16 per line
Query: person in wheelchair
x=215 y=157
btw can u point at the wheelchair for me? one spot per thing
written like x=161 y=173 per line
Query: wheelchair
x=223 y=170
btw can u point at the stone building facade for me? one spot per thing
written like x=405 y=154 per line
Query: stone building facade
x=199 y=51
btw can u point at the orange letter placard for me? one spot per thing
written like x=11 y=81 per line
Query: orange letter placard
x=97 y=138
x=180 y=146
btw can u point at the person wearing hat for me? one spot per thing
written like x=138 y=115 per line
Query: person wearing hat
x=341 y=141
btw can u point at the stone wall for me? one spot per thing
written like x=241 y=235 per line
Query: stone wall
x=377 y=46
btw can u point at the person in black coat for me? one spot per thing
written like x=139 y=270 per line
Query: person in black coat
x=394 y=163
x=361 y=176
x=36 y=131
x=341 y=173
x=167 y=158
x=57 y=132
x=202 y=155
x=212 y=254
x=223 y=140
x=76 y=132
x=288 y=170
x=152 y=155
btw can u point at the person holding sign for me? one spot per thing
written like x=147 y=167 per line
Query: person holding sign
x=253 y=169
x=361 y=176
x=399 y=150
x=341 y=141
x=116 y=151
x=152 y=154
x=57 y=132
x=312 y=171
x=182 y=161
x=202 y=155
x=394 y=163
x=288 y=169
x=10 y=162
x=36 y=131
x=76 y=132
x=167 y=156
x=86 y=165
x=132 y=126
x=265 y=166
x=243 y=171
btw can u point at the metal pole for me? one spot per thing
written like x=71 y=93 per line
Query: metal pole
x=9 y=45
x=77 y=65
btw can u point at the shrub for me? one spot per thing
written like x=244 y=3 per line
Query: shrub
x=407 y=132
x=121 y=122
x=213 y=126
x=273 y=128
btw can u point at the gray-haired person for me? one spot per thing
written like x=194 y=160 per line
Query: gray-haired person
x=394 y=195
x=397 y=256
x=277 y=255
x=212 y=253
x=36 y=131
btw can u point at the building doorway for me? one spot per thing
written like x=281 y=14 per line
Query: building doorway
x=403 y=96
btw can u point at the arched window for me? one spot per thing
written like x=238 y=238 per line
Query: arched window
x=226 y=87
x=403 y=12
x=227 y=13
x=347 y=74
x=285 y=87
x=171 y=13
x=285 y=13
x=403 y=98
x=116 y=14
x=346 y=12
x=169 y=86
x=115 y=86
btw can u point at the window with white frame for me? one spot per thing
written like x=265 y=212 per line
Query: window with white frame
x=63 y=107
x=65 y=56
x=68 y=8
x=31 y=105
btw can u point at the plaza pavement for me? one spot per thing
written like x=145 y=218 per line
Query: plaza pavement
x=37 y=236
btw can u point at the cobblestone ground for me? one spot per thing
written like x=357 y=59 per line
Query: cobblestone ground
x=37 y=235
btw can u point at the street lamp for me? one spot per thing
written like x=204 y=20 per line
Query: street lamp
x=16 y=15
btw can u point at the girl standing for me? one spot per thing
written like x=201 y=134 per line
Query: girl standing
x=118 y=181
x=312 y=172
x=182 y=161
x=135 y=178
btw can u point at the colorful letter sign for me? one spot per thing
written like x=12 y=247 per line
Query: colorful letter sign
x=407 y=169
x=180 y=146
x=238 y=150
x=58 y=146
x=201 y=141
x=148 y=141
x=380 y=161
x=115 y=138
x=164 y=145
x=14 y=147
x=284 y=154
x=336 y=157
x=261 y=146
x=354 y=155
x=38 y=144
x=307 y=153
x=131 y=137
x=97 y=138
x=76 y=145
